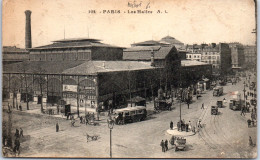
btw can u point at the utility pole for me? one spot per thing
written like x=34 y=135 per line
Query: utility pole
x=180 y=94
x=144 y=90
x=129 y=83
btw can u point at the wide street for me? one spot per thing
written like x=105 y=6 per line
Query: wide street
x=222 y=136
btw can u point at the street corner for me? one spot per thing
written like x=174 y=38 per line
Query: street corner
x=175 y=132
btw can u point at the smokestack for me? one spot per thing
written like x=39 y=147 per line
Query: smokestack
x=28 y=36
x=152 y=58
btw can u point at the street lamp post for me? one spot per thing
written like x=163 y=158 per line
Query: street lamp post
x=110 y=123
x=244 y=93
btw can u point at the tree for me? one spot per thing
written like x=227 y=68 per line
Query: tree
x=40 y=79
x=24 y=77
x=14 y=88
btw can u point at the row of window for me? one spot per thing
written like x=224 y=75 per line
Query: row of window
x=210 y=53
x=195 y=56
x=60 y=57
x=210 y=57
x=211 y=62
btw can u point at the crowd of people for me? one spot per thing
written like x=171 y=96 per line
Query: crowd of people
x=251 y=104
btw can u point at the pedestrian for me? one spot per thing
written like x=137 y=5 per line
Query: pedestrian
x=93 y=115
x=189 y=126
x=162 y=145
x=17 y=133
x=9 y=107
x=246 y=97
x=202 y=106
x=57 y=127
x=188 y=105
x=81 y=118
x=224 y=100
x=248 y=123
x=178 y=125
x=86 y=119
x=171 y=125
x=253 y=123
x=68 y=115
x=58 y=109
x=21 y=132
x=16 y=145
x=250 y=141
x=166 y=145
x=199 y=124
x=243 y=111
x=172 y=141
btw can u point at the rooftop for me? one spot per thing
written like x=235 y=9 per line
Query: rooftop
x=144 y=52
x=50 y=67
x=171 y=40
x=77 y=40
x=147 y=43
x=75 y=43
x=94 y=67
x=75 y=67
x=13 y=49
x=192 y=63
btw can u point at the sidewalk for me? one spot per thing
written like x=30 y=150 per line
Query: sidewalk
x=175 y=132
x=35 y=109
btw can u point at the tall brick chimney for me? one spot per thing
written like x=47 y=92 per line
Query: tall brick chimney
x=28 y=35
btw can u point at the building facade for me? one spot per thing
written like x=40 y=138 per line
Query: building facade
x=12 y=54
x=82 y=85
x=250 y=53
x=219 y=56
x=237 y=55
x=76 y=50
x=193 y=56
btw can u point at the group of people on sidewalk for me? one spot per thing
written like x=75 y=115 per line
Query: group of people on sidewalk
x=172 y=141
x=164 y=145
x=182 y=126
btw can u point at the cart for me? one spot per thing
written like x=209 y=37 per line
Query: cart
x=220 y=104
x=90 y=120
x=162 y=105
x=214 y=110
x=180 y=144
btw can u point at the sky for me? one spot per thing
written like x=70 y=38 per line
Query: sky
x=190 y=21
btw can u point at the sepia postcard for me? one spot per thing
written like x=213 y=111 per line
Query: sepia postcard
x=129 y=79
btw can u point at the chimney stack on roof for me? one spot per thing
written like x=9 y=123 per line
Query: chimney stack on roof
x=28 y=36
